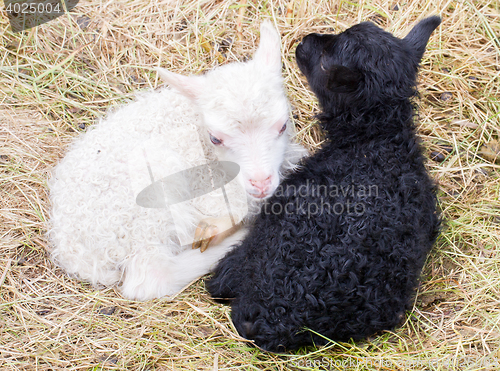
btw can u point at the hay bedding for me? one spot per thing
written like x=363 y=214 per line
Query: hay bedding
x=57 y=78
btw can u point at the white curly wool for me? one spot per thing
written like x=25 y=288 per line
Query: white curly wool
x=98 y=231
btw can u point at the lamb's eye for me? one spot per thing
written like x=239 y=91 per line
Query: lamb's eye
x=283 y=128
x=215 y=140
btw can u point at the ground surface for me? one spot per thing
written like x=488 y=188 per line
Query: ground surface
x=58 y=78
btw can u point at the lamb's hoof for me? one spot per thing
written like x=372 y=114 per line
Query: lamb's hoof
x=212 y=231
x=204 y=234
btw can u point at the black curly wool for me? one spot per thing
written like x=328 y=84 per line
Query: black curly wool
x=338 y=249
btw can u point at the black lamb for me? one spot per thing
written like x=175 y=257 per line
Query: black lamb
x=336 y=253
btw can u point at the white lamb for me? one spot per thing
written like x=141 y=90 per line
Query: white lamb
x=237 y=112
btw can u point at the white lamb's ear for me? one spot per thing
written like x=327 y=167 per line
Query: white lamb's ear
x=189 y=86
x=268 y=53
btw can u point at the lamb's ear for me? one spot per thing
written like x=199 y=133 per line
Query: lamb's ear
x=268 y=53
x=419 y=35
x=343 y=80
x=189 y=86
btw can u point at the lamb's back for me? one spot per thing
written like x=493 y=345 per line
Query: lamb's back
x=344 y=274
x=95 y=221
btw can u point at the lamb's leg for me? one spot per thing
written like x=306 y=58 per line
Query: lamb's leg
x=207 y=231
x=154 y=273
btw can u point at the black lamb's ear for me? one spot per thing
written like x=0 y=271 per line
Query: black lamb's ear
x=419 y=35
x=343 y=80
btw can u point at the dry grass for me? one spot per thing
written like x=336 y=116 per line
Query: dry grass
x=59 y=77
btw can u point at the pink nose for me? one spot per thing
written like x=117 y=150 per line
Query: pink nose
x=261 y=185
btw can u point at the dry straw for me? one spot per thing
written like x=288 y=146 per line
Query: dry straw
x=58 y=78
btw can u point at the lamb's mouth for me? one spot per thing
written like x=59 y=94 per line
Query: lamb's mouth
x=260 y=195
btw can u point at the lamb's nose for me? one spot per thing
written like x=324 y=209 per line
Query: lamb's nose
x=261 y=185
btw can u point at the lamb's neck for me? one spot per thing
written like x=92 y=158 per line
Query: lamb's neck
x=348 y=126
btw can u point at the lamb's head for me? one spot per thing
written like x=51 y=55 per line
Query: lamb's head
x=245 y=112
x=364 y=66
